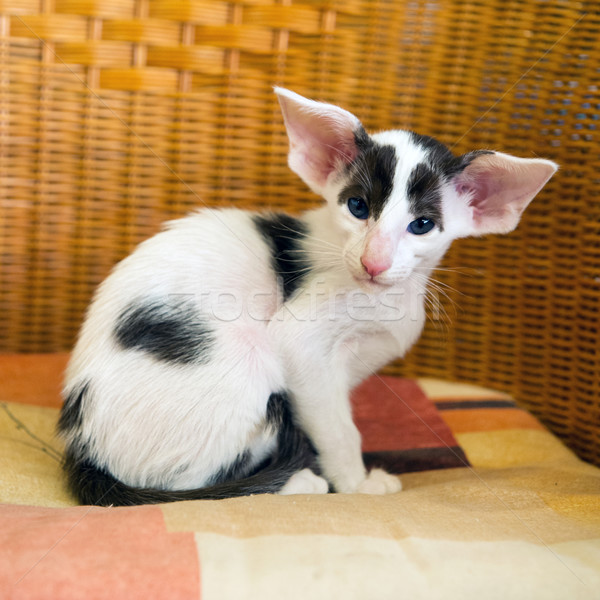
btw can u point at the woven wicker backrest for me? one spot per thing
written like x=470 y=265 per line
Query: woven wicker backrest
x=118 y=114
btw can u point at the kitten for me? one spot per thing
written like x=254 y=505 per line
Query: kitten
x=218 y=358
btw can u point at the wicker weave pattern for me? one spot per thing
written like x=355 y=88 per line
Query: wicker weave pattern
x=118 y=114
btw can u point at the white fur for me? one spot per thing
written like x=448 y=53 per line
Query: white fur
x=379 y=482
x=305 y=482
x=155 y=424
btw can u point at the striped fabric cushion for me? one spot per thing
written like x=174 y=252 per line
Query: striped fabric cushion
x=493 y=506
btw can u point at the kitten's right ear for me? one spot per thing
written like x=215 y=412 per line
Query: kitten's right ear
x=322 y=137
x=498 y=187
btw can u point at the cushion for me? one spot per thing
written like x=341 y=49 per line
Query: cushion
x=493 y=506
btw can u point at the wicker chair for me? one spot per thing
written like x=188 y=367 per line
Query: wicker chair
x=116 y=115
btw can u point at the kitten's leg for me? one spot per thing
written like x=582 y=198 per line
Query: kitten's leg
x=322 y=407
x=305 y=482
x=366 y=357
x=338 y=442
x=319 y=381
x=368 y=354
x=379 y=481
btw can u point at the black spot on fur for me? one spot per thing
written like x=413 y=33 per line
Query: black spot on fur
x=240 y=467
x=469 y=157
x=440 y=165
x=424 y=195
x=284 y=234
x=281 y=417
x=94 y=484
x=362 y=139
x=170 y=330
x=440 y=158
x=71 y=415
x=277 y=409
x=371 y=174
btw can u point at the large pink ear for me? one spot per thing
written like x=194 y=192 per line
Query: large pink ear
x=322 y=137
x=498 y=187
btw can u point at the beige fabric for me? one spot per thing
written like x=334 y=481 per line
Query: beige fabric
x=523 y=522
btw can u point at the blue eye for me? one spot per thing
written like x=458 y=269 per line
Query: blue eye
x=358 y=207
x=421 y=226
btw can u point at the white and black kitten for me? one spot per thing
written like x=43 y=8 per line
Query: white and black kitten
x=217 y=360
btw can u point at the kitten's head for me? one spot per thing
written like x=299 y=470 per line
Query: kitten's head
x=398 y=198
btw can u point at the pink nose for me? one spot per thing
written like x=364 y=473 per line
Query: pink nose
x=374 y=267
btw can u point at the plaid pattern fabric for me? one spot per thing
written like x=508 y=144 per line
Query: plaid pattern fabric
x=493 y=506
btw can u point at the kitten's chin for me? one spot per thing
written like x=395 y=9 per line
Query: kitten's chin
x=373 y=285
x=378 y=284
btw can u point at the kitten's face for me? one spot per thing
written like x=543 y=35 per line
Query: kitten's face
x=393 y=206
x=399 y=198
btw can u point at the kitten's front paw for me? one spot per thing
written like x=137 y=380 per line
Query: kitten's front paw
x=304 y=482
x=379 y=482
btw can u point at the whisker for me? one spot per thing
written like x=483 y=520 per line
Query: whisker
x=314 y=252
x=471 y=271
x=310 y=268
x=435 y=286
x=303 y=234
x=326 y=245
x=437 y=314
x=434 y=289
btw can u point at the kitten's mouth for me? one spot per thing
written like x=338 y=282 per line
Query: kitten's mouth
x=372 y=284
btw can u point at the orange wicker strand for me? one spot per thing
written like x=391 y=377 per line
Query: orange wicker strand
x=116 y=115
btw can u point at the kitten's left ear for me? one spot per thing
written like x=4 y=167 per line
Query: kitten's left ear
x=498 y=187
x=322 y=137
